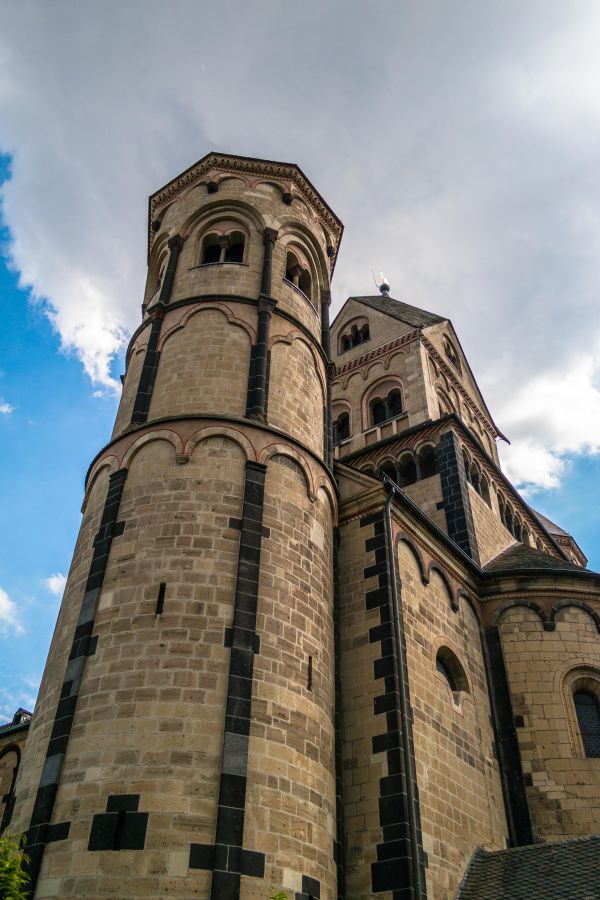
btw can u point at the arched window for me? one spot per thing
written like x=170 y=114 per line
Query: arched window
x=517 y=532
x=298 y=274
x=407 y=470
x=378 y=413
x=223 y=248
x=467 y=464
x=508 y=519
x=211 y=250
x=388 y=468
x=451 y=354
x=485 y=490
x=341 y=428
x=390 y=407
x=358 y=334
x=448 y=664
x=234 y=252
x=474 y=479
x=427 y=462
x=588 y=719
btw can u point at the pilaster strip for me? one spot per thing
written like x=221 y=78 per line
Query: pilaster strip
x=338 y=847
x=141 y=405
x=227 y=858
x=457 y=504
x=40 y=830
x=258 y=373
x=330 y=374
x=396 y=855
x=507 y=743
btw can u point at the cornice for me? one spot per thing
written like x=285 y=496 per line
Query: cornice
x=377 y=353
x=446 y=369
x=289 y=173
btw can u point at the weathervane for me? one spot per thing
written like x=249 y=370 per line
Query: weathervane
x=383 y=284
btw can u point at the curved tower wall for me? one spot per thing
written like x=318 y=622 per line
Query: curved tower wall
x=183 y=741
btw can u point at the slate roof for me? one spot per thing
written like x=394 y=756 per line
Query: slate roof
x=551 y=526
x=412 y=315
x=566 y=870
x=21 y=719
x=520 y=557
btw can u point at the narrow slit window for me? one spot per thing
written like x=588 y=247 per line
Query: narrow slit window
x=160 y=600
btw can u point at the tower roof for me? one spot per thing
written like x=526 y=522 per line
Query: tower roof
x=289 y=175
x=398 y=309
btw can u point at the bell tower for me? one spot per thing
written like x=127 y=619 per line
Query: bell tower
x=183 y=742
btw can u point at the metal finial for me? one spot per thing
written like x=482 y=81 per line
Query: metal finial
x=384 y=285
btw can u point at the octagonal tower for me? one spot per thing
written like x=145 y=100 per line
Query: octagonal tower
x=183 y=742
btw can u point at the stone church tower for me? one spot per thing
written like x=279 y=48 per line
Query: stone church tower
x=312 y=639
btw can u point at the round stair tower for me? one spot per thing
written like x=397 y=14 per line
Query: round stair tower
x=183 y=742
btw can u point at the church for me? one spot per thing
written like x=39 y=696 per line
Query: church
x=313 y=641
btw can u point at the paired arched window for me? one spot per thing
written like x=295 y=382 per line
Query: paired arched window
x=477 y=478
x=223 y=248
x=451 y=354
x=341 y=428
x=358 y=334
x=408 y=468
x=386 y=408
x=587 y=710
x=298 y=274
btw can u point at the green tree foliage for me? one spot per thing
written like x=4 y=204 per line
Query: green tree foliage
x=278 y=895
x=13 y=881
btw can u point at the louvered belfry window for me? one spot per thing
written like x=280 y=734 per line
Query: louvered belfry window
x=588 y=717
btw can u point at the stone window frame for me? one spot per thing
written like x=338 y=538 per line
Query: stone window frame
x=451 y=657
x=451 y=354
x=340 y=409
x=348 y=333
x=221 y=229
x=584 y=678
x=382 y=388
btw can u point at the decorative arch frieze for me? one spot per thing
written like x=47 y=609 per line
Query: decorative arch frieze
x=189 y=311
x=452 y=598
x=576 y=604
x=296 y=335
x=403 y=538
x=163 y=434
x=280 y=449
x=232 y=434
x=526 y=604
x=109 y=462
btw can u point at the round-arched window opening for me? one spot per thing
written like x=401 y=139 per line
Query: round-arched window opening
x=448 y=664
x=388 y=468
x=211 y=249
x=407 y=471
x=427 y=462
x=234 y=252
x=587 y=709
x=341 y=428
x=451 y=354
x=378 y=411
x=485 y=490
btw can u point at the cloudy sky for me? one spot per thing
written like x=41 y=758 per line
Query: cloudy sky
x=458 y=141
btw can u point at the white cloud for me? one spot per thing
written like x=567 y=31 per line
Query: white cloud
x=5 y=408
x=9 y=617
x=56 y=584
x=458 y=142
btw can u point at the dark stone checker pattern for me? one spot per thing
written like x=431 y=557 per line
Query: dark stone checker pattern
x=507 y=744
x=457 y=505
x=40 y=831
x=393 y=869
x=226 y=857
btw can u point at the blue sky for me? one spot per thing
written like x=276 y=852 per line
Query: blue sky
x=46 y=443
x=458 y=142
